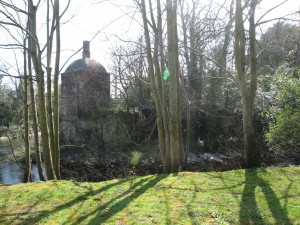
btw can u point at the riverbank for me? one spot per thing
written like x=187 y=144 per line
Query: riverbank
x=83 y=164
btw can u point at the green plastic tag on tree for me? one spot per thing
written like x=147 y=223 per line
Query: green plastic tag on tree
x=166 y=74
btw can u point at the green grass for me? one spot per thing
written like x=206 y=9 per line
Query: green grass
x=257 y=196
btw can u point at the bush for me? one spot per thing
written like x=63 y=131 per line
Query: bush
x=283 y=135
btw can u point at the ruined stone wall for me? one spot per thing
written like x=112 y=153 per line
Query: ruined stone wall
x=84 y=95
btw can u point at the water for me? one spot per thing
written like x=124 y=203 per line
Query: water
x=12 y=173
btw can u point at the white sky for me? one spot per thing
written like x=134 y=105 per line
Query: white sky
x=107 y=19
x=85 y=18
x=91 y=18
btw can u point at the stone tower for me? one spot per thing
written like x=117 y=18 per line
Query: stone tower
x=85 y=93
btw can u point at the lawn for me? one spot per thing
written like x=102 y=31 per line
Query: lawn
x=256 y=196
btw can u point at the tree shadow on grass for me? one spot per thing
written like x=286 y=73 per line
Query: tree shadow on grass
x=249 y=211
x=105 y=211
x=81 y=198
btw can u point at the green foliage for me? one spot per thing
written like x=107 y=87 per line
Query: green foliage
x=283 y=134
x=257 y=196
x=10 y=107
x=284 y=130
x=5 y=111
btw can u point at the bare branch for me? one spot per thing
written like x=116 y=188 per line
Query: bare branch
x=13 y=153
x=275 y=7
x=15 y=8
x=284 y=18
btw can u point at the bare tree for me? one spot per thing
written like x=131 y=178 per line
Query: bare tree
x=25 y=20
x=36 y=55
x=167 y=105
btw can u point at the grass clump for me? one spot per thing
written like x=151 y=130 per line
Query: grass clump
x=257 y=196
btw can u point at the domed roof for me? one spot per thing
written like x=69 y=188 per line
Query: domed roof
x=85 y=64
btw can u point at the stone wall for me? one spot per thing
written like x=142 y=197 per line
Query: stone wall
x=85 y=95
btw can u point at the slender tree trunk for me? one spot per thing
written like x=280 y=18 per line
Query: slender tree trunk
x=38 y=157
x=169 y=129
x=184 y=23
x=49 y=110
x=37 y=62
x=28 y=174
x=162 y=86
x=158 y=91
x=222 y=60
x=49 y=81
x=223 y=57
x=165 y=109
x=56 y=93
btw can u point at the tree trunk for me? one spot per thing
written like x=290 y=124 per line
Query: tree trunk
x=184 y=23
x=176 y=144
x=38 y=157
x=56 y=148
x=28 y=174
x=49 y=110
x=158 y=92
x=247 y=89
x=252 y=156
x=49 y=81
x=252 y=148
x=37 y=63
x=169 y=129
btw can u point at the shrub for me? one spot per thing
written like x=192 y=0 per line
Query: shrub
x=283 y=135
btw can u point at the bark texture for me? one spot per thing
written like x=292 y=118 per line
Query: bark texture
x=247 y=82
x=167 y=104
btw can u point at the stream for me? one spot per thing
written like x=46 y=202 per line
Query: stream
x=10 y=171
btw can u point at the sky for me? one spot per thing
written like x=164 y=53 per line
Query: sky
x=103 y=22
x=107 y=22
x=109 y=18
